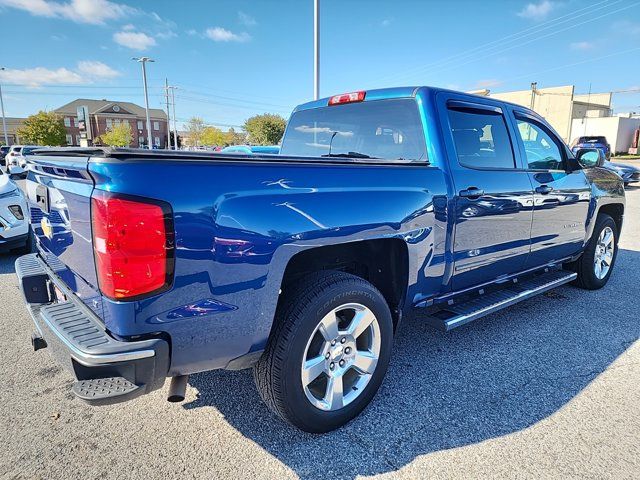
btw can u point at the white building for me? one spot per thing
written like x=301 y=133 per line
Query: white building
x=574 y=115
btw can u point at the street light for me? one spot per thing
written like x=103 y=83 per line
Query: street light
x=143 y=61
x=316 y=49
x=4 y=122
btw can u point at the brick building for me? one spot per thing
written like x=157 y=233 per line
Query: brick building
x=103 y=114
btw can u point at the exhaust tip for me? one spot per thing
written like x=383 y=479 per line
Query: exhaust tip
x=177 y=388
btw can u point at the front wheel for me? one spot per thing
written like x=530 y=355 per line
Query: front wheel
x=595 y=265
x=328 y=352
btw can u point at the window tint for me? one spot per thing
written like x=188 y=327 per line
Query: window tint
x=389 y=129
x=540 y=148
x=481 y=139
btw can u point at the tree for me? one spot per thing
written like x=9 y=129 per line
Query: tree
x=212 y=136
x=265 y=129
x=43 y=128
x=235 y=138
x=195 y=128
x=118 y=136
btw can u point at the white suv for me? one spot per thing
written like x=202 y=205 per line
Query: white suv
x=16 y=161
x=14 y=216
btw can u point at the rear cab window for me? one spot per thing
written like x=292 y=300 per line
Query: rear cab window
x=382 y=129
x=481 y=138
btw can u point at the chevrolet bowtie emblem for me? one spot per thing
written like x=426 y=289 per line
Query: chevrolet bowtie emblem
x=47 y=228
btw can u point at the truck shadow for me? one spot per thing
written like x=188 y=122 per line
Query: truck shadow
x=493 y=377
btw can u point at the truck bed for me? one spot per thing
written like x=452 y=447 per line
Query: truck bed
x=238 y=221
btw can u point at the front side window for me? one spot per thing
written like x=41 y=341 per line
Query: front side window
x=481 y=138
x=541 y=150
x=385 y=129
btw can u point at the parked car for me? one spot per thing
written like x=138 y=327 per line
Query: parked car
x=14 y=221
x=16 y=159
x=249 y=149
x=4 y=149
x=302 y=265
x=628 y=173
x=596 y=141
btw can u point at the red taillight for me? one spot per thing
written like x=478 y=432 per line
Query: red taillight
x=133 y=245
x=347 y=98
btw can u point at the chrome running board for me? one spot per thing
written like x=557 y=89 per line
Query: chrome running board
x=456 y=315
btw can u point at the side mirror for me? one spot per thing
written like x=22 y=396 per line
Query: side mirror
x=590 y=157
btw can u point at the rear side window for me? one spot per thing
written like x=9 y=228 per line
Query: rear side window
x=481 y=138
x=541 y=149
x=387 y=129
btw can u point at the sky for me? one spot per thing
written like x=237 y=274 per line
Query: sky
x=233 y=59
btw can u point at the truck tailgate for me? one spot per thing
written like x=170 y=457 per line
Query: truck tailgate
x=59 y=195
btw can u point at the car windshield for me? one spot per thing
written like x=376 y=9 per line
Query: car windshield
x=387 y=129
x=28 y=150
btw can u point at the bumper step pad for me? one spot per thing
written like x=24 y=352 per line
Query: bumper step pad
x=456 y=315
x=105 y=391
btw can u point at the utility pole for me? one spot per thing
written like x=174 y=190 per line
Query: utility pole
x=534 y=92
x=584 y=119
x=175 y=125
x=166 y=94
x=143 y=61
x=4 y=122
x=316 y=49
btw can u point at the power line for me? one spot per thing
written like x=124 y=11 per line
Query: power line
x=511 y=47
x=223 y=104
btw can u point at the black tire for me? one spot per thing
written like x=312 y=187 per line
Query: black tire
x=278 y=373
x=584 y=266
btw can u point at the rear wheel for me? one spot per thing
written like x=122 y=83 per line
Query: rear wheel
x=595 y=265
x=328 y=352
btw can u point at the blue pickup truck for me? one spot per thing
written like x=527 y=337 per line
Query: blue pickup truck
x=159 y=264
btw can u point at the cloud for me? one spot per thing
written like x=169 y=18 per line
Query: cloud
x=537 y=11
x=86 y=72
x=128 y=27
x=492 y=82
x=581 y=45
x=94 y=12
x=163 y=29
x=386 y=22
x=246 y=20
x=191 y=32
x=134 y=40
x=95 y=69
x=627 y=27
x=219 y=34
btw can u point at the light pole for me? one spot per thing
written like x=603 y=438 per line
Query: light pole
x=4 y=122
x=143 y=61
x=316 y=49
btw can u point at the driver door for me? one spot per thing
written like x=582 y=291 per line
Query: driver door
x=561 y=197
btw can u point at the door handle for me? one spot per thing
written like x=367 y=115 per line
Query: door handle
x=544 y=189
x=472 y=192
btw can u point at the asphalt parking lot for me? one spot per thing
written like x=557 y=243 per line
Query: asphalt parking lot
x=547 y=388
